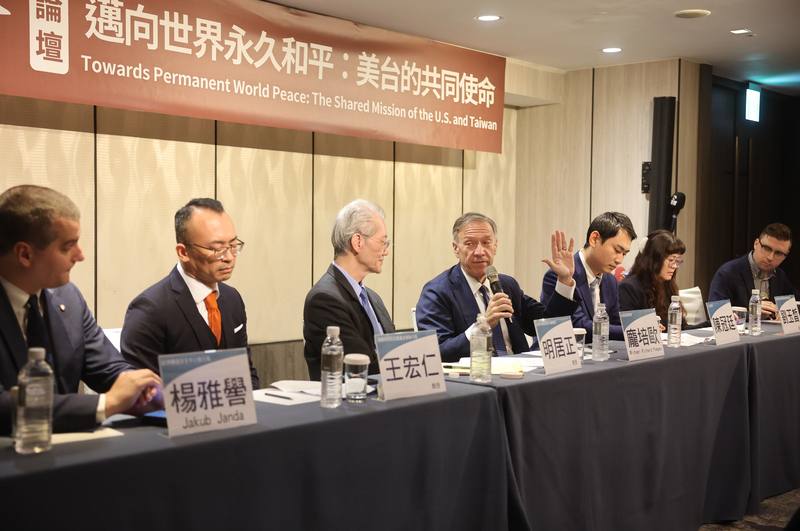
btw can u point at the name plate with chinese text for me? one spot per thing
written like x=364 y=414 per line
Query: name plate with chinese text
x=557 y=344
x=642 y=334
x=723 y=321
x=207 y=391
x=410 y=364
x=788 y=314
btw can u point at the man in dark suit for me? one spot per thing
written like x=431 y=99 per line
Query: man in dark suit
x=39 y=307
x=451 y=301
x=339 y=298
x=191 y=309
x=758 y=269
x=608 y=240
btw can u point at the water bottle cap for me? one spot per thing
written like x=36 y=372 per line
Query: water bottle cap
x=756 y=292
x=36 y=353
x=676 y=298
x=332 y=331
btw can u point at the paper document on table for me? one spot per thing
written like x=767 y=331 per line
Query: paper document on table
x=298 y=386
x=510 y=364
x=71 y=437
x=687 y=340
x=283 y=398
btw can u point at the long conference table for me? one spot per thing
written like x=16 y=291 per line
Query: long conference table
x=702 y=434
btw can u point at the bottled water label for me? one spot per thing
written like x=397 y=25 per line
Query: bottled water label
x=34 y=414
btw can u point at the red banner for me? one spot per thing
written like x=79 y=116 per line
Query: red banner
x=252 y=62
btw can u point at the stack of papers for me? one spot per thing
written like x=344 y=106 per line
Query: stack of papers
x=292 y=392
x=501 y=364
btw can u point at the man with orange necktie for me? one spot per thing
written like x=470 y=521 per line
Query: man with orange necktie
x=191 y=309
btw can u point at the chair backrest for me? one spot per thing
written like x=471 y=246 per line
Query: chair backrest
x=414 y=318
x=692 y=300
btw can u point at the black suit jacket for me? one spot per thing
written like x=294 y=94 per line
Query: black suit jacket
x=448 y=306
x=164 y=320
x=81 y=351
x=734 y=281
x=332 y=302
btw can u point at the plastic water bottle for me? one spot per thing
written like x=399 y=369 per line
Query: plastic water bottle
x=331 y=358
x=600 y=334
x=674 y=318
x=754 y=314
x=34 y=423
x=480 y=351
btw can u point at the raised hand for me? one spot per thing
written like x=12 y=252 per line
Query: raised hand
x=563 y=261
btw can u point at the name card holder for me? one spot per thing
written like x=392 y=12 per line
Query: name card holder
x=723 y=321
x=207 y=391
x=788 y=314
x=410 y=364
x=557 y=344
x=642 y=334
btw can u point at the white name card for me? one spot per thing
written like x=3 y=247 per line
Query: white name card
x=410 y=364
x=642 y=334
x=207 y=391
x=723 y=321
x=788 y=313
x=557 y=344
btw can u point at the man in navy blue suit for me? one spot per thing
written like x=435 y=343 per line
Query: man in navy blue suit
x=450 y=302
x=608 y=240
x=736 y=279
x=39 y=307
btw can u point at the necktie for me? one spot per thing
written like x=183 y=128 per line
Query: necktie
x=497 y=332
x=214 y=317
x=594 y=285
x=376 y=325
x=36 y=329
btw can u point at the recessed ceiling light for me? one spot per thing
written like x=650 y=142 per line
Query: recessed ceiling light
x=612 y=50
x=488 y=18
x=692 y=13
x=741 y=31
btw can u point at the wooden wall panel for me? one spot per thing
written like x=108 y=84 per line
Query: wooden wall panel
x=623 y=135
x=267 y=192
x=428 y=194
x=142 y=180
x=686 y=174
x=347 y=168
x=490 y=185
x=553 y=168
x=51 y=144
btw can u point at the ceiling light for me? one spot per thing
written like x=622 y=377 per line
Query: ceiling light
x=692 y=13
x=741 y=31
x=488 y=18
x=612 y=50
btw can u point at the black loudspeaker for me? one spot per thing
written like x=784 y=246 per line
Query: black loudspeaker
x=661 y=157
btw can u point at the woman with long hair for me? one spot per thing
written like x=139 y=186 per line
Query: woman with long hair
x=651 y=282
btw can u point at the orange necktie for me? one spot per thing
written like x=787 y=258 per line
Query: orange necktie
x=214 y=317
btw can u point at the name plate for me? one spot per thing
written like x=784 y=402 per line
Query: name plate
x=723 y=321
x=642 y=334
x=557 y=344
x=410 y=364
x=207 y=391
x=789 y=315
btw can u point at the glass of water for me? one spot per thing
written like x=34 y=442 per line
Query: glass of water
x=580 y=341
x=356 y=369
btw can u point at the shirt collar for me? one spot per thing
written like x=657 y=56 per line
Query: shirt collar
x=474 y=285
x=16 y=296
x=590 y=276
x=757 y=273
x=198 y=290
x=357 y=288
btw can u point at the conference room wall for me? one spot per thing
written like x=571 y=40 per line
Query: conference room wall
x=52 y=144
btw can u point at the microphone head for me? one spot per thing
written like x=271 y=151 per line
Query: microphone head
x=491 y=273
x=678 y=200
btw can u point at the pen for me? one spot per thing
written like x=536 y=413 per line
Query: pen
x=277 y=396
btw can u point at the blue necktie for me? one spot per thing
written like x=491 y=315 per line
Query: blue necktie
x=36 y=330
x=497 y=332
x=376 y=325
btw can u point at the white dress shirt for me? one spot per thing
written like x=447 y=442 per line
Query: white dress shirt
x=590 y=277
x=199 y=292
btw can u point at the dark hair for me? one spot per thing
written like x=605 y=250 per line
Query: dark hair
x=183 y=215
x=608 y=225
x=779 y=231
x=472 y=217
x=27 y=214
x=647 y=267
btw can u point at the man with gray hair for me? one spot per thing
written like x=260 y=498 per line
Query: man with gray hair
x=39 y=307
x=339 y=298
x=451 y=301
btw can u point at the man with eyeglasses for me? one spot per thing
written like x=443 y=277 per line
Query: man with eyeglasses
x=191 y=309
x=758 y=269
x=340 y=298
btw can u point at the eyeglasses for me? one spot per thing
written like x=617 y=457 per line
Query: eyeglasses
x=780 y=255
x=218 y=253
x=386 y=242
x=675 y=261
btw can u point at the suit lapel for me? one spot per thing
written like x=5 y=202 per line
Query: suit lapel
x=11 y=333
x=183 y=298
x=582 y=285
x=62 y=346
x=465 y=299
x=747 y=277
x=227 y=318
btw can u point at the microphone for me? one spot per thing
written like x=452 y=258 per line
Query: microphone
x=677 y=202
x=494 y=284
